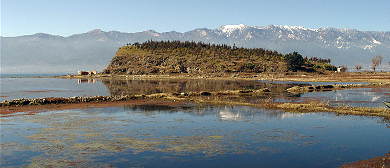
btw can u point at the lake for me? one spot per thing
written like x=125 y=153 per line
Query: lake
x=188 y=135
x=29 y=88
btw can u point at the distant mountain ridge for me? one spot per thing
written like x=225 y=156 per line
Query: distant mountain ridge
x=94 y=49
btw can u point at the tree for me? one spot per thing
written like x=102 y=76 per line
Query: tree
x=294 y=61
x=343 y=68
x=376 y=61
x=358 y=67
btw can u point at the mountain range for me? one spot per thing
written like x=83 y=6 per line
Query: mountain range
x=45 y=53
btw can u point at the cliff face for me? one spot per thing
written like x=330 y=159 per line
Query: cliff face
x=147 y=58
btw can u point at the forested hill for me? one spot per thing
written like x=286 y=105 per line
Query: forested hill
x=168 y=57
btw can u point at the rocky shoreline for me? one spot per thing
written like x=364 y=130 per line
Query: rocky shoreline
x=62 y=100
x=218 y=97
x=186 y=96
x=77 y=99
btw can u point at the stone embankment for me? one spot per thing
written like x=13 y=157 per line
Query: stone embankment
x=70 y=100
x=183 y=96
x=62 y=100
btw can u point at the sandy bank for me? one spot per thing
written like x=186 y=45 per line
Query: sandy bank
x=366 y=77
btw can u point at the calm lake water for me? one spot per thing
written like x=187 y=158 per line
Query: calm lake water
x=190 y=135
x=16 y=88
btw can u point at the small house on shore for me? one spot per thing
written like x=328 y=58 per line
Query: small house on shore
x=87 y=72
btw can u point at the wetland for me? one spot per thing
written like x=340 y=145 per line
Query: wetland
x=239 y=122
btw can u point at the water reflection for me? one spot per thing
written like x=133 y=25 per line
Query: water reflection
x=16 y=88
x=133 y=87
x=32 y=88
x=361 y=97
x=86 y=80
x=242 y=113
x=190 y=136
x=223 y=113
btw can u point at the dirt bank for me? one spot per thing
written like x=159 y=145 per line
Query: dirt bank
x=30 y=110
x=367 y=77
x=382 y=161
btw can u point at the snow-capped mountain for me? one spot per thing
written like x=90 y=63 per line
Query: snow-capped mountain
x=230 y=29
x=340 y=38
x=94 y=49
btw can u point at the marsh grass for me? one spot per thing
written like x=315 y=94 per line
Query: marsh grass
x=261 y=98
x=301 y=107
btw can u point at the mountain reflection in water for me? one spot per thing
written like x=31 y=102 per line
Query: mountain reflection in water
x=222 y=112
x=188 y=136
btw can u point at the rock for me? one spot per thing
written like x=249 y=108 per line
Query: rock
x=205 y=93
x=175 y=94
x=266 y=90
x=246 y=91
x=327 y=86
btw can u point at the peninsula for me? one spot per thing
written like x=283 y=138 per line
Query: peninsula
x=175 y=57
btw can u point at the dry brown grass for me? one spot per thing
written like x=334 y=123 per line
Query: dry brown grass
x=317 y=106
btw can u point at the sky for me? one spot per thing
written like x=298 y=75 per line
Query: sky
x=67 y=17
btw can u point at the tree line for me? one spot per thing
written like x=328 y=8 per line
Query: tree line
x=203 y=49
x=320 y=60
x=222 y=52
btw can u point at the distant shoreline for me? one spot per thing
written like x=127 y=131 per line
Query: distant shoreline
x=378 y=79
x=365 y=77
x=31 y=75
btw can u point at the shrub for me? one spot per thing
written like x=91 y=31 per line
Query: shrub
x=250 y=65
x=294 y=61
x=343 y=68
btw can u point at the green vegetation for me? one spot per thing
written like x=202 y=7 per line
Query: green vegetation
x=169 y=57
x=294 y=61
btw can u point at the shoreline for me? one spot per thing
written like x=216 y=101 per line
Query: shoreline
x=31 y=110
x=364 y=77
x=378 y=79
x=375 y=80
x=217 y=98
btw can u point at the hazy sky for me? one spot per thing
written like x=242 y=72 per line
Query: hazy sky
x=67 y=17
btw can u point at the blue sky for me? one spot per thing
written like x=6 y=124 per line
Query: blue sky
x=67 y=17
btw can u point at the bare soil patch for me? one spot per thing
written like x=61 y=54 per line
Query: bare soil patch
x=382 y=161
